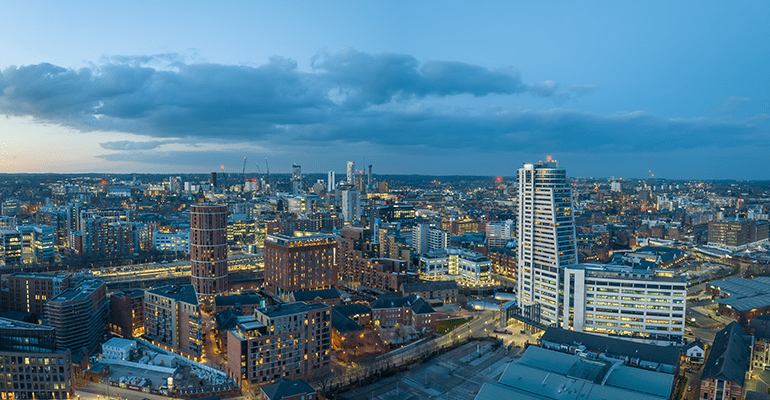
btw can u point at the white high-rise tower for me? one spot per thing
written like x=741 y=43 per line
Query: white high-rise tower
x=546 y=239
x=351 y=173
x=330 y=183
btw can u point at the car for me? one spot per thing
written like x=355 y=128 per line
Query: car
x=689 y=388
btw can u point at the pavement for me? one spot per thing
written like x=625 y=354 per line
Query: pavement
x=458 y=374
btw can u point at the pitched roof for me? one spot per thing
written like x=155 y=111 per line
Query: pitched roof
x=729 y=358
x=352 y=309
x=760 y=327
x=286 y=387
x=695 y=343
x=227 y=319
x=344 y=324
x=418 y=305
x=307 y=295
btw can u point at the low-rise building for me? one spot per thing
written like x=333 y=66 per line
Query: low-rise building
x=118 y=349
x=244 y=303
x=288 y=389
x=465 y=266
x=725 y=372
x=406 y=311
x=435 y=292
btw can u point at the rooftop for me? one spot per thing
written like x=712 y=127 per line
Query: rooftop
x=7 y=323
x=183 y=293
x=286 y=388
x=221 y=301
x=307 y=295
x=428 y=286
x=85 y=289
x=289 y=309
x=668 y=355
x=729 y=357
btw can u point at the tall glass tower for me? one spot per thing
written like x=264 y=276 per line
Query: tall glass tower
x=546 y=239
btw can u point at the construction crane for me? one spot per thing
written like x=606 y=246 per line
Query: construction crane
x=267 y=166
x=243 y=174
x=258 y=171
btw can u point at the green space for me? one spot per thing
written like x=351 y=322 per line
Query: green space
x=447 y=325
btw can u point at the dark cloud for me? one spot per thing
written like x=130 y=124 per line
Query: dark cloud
x=350 y=97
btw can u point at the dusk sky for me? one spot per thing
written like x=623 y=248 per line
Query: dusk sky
x=472 y=88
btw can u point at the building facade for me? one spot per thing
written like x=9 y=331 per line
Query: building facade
x=127 y=313
x=30 y=292
x=632 y=302
x=32 y=365
x=546 y=238
x=289 y=340
x=172 y=319
x=736 y=234
x=208 y=249
x=300 y=263
x=177 y=242
x=80 y=316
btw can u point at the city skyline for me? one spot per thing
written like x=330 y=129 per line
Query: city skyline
x=456 y=89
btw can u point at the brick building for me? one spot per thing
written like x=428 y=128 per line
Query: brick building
x=300 y=263
x=405 y=311
x=208 y=248
x=29 y=292
x=127 y=313
x=289 y=340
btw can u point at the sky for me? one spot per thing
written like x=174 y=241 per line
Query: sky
x=680 y=90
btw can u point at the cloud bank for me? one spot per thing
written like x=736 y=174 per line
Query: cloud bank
x=351 y=97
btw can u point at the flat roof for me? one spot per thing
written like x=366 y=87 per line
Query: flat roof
x=82 y=291
x=7 y=323
x=183 y=293
x=291 y=308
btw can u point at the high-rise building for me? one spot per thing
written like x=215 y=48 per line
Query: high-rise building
x=127 y=313
x=546 y=235
x=330 y=183
x=351 y=173
x=296 y=178
x=208 y=248
x=300 y=263
x=80 y=316
x=34 y=366
x=351 y=205
x=172 y=319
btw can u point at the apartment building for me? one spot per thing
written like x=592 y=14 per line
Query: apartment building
x=284 y=341
x=172 y=319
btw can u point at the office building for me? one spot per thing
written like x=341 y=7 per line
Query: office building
x=629 y=301
x=464 y=266
x=174 y=242
x=241 y=230
x=32 y=365
x=330 y=183
x=30 y=292
x=427 y=237
x=172 y=319
x=499 y=233
x=127 y=313
x=351 y=173
x=300 y=263
x=284 y=341
x=546 y=238
x=736 y=234
x=11 y=246
x=351 y=205
x=80 y=315
x=208 y=248
x=403 y=214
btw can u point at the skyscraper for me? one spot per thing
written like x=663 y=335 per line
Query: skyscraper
x=546 y=239
x=296 y=178
x=351 y=205
x=351 y=173
x=208 y=248
x=330 y=184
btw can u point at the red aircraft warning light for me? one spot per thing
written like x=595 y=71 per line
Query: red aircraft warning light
x=499 y=178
